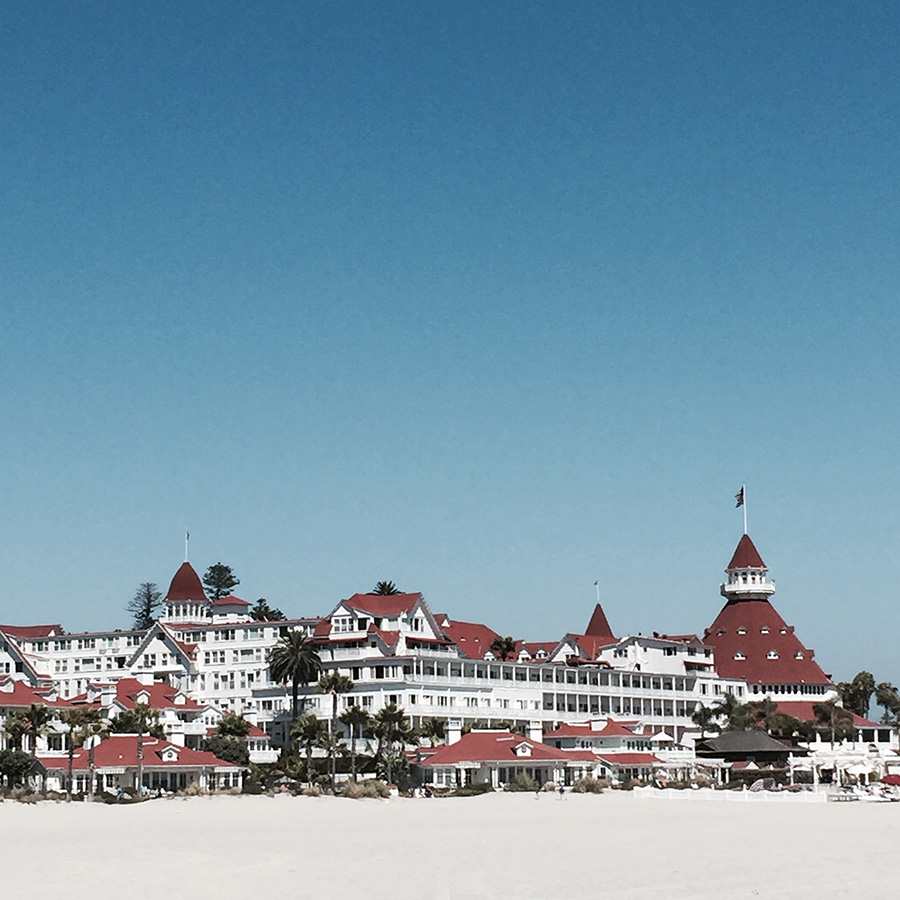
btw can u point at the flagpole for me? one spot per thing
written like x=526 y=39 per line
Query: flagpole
x=187 y=540
x=597 y=585
x=744 y=489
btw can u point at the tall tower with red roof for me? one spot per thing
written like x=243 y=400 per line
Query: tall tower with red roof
x=753 y=642
x=186 y=601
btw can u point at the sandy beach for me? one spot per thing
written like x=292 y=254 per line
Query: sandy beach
x=615 y=846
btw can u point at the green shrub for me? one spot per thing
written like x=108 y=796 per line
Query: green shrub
x=522 y=782
x=371 y=788
x=589 y=785
x=473 y=790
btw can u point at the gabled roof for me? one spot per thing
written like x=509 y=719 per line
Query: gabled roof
x=492 y=746
x=389 y=638
x=186 y=585
x=383 y=604
x=599 y=626
x=160 y=695
x=230 y=600
x=120 y=750
x=471 y=638
x=753 y=740
x=30 y=632
x=15 y=694
x=746 y=556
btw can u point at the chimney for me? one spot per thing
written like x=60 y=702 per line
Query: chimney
x=453 y=731
x=535 y=731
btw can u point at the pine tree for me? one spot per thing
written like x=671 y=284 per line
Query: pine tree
x=219 y=580
x=144 y=605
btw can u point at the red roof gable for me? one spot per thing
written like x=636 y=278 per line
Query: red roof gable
x=31 y=631
x=768 y=650
x=491 y=746
x=186 y=585
x=230 y=600
x=599 y=626
x=120 y=750
x=383 y=604
x=472 y=638
x=160 y=695
x=746 y=556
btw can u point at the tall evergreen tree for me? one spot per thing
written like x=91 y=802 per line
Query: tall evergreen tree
x=144 y=605
x=262 y=612
x=219 y=580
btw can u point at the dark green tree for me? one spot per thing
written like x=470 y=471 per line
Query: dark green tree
x=356 y=719
x=334 y=683
x=141 y=719
x=704 y=717
x=262 y=612
x=82 y=722
x=228 y=748
x=144 y=605
x=887 y=697
x=219 y=580
x=306 y=734
x=295 y=659
x=833 y=721
x=233 y=725
x=15 y=767
x=432 y=729
x=385 y=587
x=856 y=695
x=392 y=730
x=504 y=647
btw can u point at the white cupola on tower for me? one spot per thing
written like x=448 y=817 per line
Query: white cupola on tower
x=748 y=577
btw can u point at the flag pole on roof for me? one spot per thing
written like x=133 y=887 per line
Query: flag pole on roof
x=597 y=585
x=187 y=541
x=741 y=498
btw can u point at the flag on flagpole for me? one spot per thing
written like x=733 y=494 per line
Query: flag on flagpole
x=739 y=496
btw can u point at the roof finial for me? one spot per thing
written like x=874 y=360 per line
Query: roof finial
x=187 y=541
x=741 y=497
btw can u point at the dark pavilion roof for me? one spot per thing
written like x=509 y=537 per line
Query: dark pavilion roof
x=186 y=585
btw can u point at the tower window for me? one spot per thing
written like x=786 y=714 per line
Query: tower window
x=772 y=654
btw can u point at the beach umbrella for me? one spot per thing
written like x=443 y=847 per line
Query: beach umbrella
x=891 y=779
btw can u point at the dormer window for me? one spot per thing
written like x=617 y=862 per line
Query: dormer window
x=764 y=629
x=798 y=654
x=784 y=630
x=772 y=654
x=742 y=630
x=739 y=655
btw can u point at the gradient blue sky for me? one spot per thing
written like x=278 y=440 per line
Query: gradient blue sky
x=492 y=300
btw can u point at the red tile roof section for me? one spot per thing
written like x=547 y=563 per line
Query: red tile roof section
x=31 y=631
x=121 y=750
x=599 y=626
x=161 y=696
x=186 y=585
x=746 y=556
x=492 y=746
x=472 y=638
x=383 y=605
x=230 y=600
x=757 y=668
x=629 y=759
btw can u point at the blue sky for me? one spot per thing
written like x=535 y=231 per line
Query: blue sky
x=491 y=300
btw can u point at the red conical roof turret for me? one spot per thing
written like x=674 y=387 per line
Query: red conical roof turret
x=746 y=556
x=186 y=585
x=599 y=625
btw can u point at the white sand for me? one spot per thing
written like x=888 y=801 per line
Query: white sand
x=503 y=845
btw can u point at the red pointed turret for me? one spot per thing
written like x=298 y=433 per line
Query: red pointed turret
x=599 y=625
x=186 y=585
x=746 y=556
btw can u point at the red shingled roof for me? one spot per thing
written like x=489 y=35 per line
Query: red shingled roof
x=746 y=556
x=19 y=694
x=383 y=605
x=492 y=746
x=764 y=632
x=472 y=638
x=31 y=631
x=120 y=750
x=230 y=600
x=599 y=626
x=161 y=695
x=803 y=710
x=186 y=585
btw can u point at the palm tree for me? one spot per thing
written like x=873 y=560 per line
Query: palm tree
x=703 y=717
x=295 y=658
x=887 y=698
x=503 y=646
x=726 y=708
x=306 y=732
x=37 y=717
x=390 y=726
x=384 y=588
x=833 y=719
x=334 y=683
x=16 y=727
x=81 y=722
x=356 y=718
x=432 y=729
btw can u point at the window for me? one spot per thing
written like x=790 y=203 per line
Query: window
x=764 y=629
x=772 y=654
x=798 y=654
x=739 y=655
